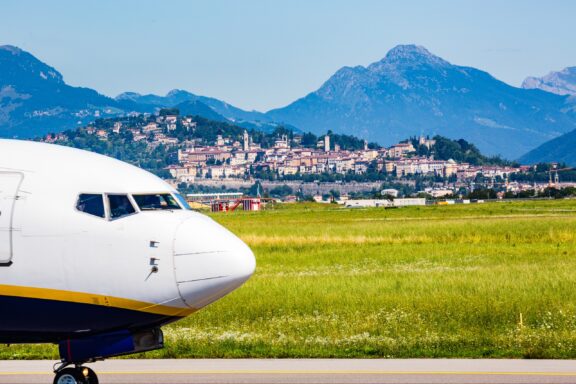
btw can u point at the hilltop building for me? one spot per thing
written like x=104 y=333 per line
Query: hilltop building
x=282 y=143
x=428 y=143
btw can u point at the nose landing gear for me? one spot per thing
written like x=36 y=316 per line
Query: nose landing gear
x=77 y=375
x=76 y=352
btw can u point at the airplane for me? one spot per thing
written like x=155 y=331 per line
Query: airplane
x=96 y=255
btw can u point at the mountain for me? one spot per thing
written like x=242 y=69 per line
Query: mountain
x=34 y=99
x=178 y=96
x=411 y=91
x=198 y=108
x=207 y=107
x=561 y=83
x=561 y=149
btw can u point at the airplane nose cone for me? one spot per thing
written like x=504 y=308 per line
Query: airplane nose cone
x=209 y=260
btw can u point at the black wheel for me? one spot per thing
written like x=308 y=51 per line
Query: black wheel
x=70 y=376
x=78 y=375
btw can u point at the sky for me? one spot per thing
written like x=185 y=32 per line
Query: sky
x=264 y=54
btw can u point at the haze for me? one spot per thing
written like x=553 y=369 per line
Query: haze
x=265 y=54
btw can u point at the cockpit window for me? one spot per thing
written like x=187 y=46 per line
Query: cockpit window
x=120 y=205
x=156 y=202
x=92 y=204
x=182 y=201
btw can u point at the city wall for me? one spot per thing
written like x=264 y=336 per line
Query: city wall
x=307 y=188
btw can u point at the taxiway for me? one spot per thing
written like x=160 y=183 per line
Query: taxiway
x=288 y=371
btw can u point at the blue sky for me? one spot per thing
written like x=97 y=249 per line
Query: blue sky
x=263 y=54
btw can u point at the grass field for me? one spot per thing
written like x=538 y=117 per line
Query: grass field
x=487 y=280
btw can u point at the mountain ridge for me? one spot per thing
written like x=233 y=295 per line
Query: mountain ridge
x=560 y=149
x=561 y=82
x=34 y=98
x=411 y=91
x=177 y=96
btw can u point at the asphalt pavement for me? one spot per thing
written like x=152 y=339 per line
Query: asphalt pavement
x=288 y=371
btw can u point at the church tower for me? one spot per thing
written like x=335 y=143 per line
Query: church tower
x=246 y=145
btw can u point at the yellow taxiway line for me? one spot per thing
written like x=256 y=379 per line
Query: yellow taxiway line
x=309 y=372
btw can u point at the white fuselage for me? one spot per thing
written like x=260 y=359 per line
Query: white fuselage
x=163 y=264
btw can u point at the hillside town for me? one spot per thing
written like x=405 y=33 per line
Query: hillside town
x=240 y=157
x=233 y=159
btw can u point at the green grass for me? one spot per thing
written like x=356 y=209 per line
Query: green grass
x=441 y=281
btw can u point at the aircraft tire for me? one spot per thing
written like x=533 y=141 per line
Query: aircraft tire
x=76 y=376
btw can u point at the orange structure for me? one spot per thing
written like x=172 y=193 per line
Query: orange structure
x=227 y=205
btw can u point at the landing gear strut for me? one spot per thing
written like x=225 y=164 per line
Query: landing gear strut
x=77 y=375
x=76 y=352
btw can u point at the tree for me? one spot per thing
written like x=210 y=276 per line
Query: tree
x=482 y=194
x=462 y=151
x=169 y=111
x=256 y=189
x=334 y=195
x=281 y=191
x=309 y=140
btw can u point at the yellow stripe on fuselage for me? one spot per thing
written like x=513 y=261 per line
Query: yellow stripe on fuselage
x=93 y=299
